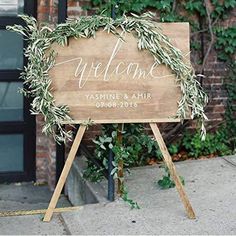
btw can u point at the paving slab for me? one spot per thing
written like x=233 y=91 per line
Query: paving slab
x=32 y=225
x=210 y=185
x=27 y=196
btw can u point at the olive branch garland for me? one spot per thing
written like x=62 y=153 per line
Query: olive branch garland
x=149 y=37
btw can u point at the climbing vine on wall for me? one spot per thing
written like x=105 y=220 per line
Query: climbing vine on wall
x=226 y=47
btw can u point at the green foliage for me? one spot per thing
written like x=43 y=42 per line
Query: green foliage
x=135 y=6
x=132 y=203
x=93 y=173
x=167 y=182
x=230 y=127
x=174 y=148
x=149 y=37
x=226 y=43
x=221 y=8
x=188 y=10
x=226 y=47
x=139 y=145
x=166 y=8
x=135 y=149
x=196 y=45
x=195 y=6
x=216 y=144
x=168 y=11
x=35 y=76
x=136 y=146
x=219 y=143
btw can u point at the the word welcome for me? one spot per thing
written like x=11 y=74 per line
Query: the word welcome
x=84 y=71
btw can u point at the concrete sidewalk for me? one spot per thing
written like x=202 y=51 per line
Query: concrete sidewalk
x=211 y=187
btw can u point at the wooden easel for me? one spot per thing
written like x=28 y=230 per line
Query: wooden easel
x=166 y=158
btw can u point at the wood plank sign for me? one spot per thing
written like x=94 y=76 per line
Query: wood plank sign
x=108 y=80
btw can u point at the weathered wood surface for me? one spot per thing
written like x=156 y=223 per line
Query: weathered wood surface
x=64 y=173
x=169 y=163
x=111 y=81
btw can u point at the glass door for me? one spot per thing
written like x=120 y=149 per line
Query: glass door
x=17 y=126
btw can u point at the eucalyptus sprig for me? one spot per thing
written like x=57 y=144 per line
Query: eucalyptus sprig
x=149 y=37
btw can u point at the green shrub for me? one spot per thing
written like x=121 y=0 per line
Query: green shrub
x=215 y=143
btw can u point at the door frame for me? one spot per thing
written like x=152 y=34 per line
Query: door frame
x=27 y=127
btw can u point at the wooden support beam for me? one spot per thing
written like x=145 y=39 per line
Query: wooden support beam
x=168 y=161
x=64 y=173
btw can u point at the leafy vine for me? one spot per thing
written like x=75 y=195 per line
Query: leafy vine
x=149 y=37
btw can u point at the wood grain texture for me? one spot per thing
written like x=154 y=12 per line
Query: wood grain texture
x=168 y=161
x=107 y=80
x=64 y=174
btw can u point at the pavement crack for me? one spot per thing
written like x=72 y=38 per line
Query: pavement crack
x=66 y=229
x=230 y=162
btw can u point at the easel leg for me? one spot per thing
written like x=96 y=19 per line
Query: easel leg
x=64 y=173
x=173 y=173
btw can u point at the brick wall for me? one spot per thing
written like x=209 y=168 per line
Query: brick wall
x=74 y=9
x=212 y=83
x=45 y=146
x=47 y=11
x=215 y=72
x=45 y=155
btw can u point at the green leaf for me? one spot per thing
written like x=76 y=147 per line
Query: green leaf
x=108 y=140
x=114 y=134
x=103 y=147
x=114 y=170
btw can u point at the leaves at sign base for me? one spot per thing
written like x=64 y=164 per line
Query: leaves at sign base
x=166 y=182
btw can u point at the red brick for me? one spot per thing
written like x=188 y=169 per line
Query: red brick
x=84 y=3
x=43 y=2
x=72 y=3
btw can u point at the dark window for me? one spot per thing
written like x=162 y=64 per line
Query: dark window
x=17 y=126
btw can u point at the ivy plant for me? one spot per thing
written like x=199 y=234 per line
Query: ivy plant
x=167 y=182
x=226 y=47
x=41 y=58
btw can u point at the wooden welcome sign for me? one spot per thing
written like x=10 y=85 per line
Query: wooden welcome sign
x=108 y=80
